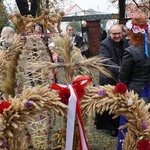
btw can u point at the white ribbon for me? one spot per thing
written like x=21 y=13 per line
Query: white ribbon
x=71 y=119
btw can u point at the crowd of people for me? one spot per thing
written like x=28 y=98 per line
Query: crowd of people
x=127 y=49
x=131 y=66
x=129 y=58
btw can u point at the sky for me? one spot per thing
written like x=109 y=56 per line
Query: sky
x=103 y=6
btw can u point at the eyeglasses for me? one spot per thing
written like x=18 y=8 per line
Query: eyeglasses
x=70 y=29
x=117 y=33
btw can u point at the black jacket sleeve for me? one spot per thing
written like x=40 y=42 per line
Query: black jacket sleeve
x=105 y=52
x=126 y=67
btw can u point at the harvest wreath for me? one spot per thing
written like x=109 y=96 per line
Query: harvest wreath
x=19 y=106
x=15 y=112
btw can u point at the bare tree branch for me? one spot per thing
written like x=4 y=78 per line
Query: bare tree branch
x=142 y=6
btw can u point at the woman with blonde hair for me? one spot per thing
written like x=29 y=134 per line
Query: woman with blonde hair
x=7 y=35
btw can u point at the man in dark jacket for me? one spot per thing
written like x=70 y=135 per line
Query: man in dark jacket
x=112 y=47
x=78 y=40
x=103 y=33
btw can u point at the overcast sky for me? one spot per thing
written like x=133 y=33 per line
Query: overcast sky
x=103 y=6
x=99 y=5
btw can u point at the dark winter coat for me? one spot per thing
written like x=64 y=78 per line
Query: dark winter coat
x=114 y=51
x=135 y=69
x=78 y=40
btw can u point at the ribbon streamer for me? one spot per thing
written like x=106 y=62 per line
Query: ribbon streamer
x=71 y=119
x=146 y=43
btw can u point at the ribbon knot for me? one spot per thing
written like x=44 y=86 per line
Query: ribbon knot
x=146 y=47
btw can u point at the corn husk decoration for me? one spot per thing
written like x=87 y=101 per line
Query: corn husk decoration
x=104 y=98
x=8 y=62
x=50 y=21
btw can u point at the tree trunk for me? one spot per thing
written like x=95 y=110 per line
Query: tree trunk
x=47 y=4
x=122 y=8
x=24 y=7
x=34 y=7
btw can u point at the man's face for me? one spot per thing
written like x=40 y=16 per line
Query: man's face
x=116 y=33
x=70 y=31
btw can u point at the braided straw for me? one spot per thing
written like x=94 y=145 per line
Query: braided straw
x=14 y=118
x=134 y=109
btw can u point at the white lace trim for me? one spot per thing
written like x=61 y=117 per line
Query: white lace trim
x=136 y=28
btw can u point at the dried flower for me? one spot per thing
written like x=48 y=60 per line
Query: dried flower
x=4 y=144
x=64 y=94
x=144 y=125
x=101 y=93
x=120 y=88
x=143 y=145
x=4 y=105
x=130 y=101
x=28 y=103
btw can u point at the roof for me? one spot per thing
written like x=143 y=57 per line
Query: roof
x=73 y=7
